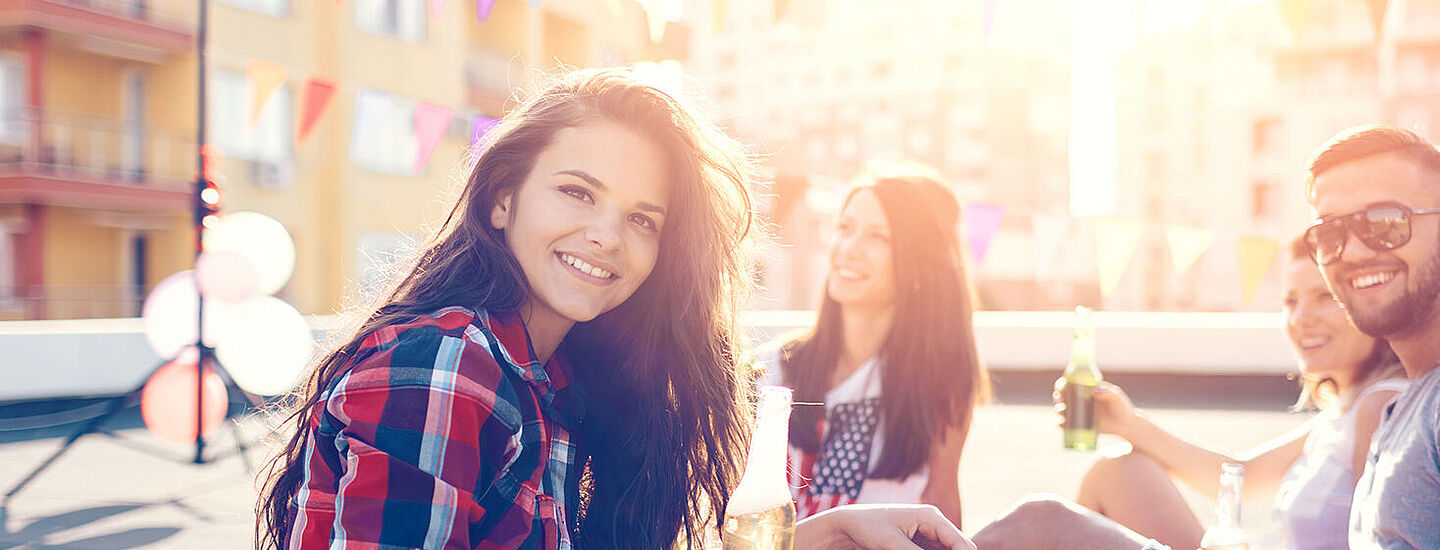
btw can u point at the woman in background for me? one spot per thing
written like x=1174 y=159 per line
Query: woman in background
x=1311 y=471
x=892 y=356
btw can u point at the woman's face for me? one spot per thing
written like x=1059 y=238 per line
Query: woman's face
x=861 y=265
x=1325 y=342
x=585 y=224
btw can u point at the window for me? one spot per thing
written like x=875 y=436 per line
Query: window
x=1266 y=131
x=273 y=8
x=383 y=138
x=268 y=141
x=1261 y=206
x=12 y=100
x=402 y=19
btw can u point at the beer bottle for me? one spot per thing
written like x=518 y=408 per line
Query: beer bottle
x=760 y=515
x=1226 y=534
x=1080 y=378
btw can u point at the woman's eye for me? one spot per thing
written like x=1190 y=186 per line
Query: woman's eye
x=644 y=221
x=577 y=192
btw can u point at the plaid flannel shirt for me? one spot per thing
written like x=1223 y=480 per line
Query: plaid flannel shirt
x=444 y=432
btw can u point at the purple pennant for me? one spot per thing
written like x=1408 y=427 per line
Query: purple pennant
x=482 y=9
x=479 y=126
x=982 y=222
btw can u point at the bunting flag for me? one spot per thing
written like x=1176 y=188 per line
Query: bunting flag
x=318 y=93
x=535 y=4
x=654 y=19
x=717 y=14
x=1295 y=13
x=1114 y=243
x=781 y=8
x=1186 y=246
x=1256 y=255
x=265 y=77
x=1377 y=17
x=1050 y=232
x=982 y=222
x=437 y=8
x=479 y=126
x=987 y=15
x=482 y=9
x=431 y=120
x=615 y=9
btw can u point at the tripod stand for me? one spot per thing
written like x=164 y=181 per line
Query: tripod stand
x=120 y=402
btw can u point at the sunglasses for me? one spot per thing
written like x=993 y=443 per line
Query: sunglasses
x=1384 y=226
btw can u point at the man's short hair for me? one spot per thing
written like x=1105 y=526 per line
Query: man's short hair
x=1366 y=141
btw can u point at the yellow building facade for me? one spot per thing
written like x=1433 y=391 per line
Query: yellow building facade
x=97 y=148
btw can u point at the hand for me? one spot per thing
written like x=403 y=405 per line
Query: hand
x=880 y=527
x=1114 y=413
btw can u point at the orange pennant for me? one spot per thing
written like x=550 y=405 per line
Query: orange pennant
x=717 y=14
x=1377 y=17
x=318 y=92
x=1295 y=13
x=265 y=77
x=1256 y=255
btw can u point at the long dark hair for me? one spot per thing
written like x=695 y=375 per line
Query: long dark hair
x=931 y=377
x=665 y=463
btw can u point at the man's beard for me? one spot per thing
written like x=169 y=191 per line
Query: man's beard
x=1406 y=312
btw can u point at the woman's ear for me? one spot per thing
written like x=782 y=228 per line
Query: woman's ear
x=500 y=214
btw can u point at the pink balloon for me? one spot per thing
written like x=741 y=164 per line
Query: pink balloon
x=227 y=276
x=170 y=319
x=167 y=403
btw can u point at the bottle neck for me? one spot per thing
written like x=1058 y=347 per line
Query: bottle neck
x=1227 y=505
x=764 y=485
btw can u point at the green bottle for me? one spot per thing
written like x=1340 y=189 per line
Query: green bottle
x=1081 y=376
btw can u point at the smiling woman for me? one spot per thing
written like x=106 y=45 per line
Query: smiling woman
x=595 y=256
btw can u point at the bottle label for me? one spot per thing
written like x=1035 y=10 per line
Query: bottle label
x=1079 y=407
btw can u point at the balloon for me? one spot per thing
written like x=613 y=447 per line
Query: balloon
x=167 y=404
x=262 y=240
x=266 y=345
x=227 y=276
x=170 y=319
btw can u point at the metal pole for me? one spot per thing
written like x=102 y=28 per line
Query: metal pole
x=204 y=351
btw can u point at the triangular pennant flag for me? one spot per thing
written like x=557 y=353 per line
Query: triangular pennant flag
x=431 y=120
x=1295 y=14
x=482 y=9
x=479 y=126
x=318 y=93
x=987 y=15
x=437 y=8
x=1186 y=245
x=717 y=14
x=982 y=222
x=1377 y=17
x=614 y=6
x=655 y=20
x=535 y=4
x=1050 y=232
x=265 y=77
x=1114 y=242
x=1256 y=255
x=781 y=7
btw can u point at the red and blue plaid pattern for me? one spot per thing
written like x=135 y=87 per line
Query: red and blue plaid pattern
x=444 y=432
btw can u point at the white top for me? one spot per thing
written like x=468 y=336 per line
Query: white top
x=852 y=440
x=1312 y=505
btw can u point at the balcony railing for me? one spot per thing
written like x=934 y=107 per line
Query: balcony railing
x=94 y=148
x=71 y=301
x=164 y=15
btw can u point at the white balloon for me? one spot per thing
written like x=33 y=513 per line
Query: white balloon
x=170 y=315
x=227 y=276
x=261 y=239
x=265 y=346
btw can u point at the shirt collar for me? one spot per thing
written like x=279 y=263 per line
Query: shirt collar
x=505 y=335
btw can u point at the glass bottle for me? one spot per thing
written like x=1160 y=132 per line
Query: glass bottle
x=1080 y=378
x=760 y=514
x=1226 y=534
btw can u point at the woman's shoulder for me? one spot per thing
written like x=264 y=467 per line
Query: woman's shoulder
x=425 y=350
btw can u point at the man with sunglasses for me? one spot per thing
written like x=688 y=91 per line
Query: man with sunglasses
x=1375 y=191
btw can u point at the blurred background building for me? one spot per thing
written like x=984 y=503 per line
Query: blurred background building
x=1217 y=106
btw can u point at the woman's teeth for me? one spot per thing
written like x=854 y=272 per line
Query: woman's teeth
x=586 y=268
x=848 y=273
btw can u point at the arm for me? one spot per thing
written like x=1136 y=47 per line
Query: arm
x=1193 y=465
x=408 y=454
x=1367 y=418
x=943 y=489
x=879 y=527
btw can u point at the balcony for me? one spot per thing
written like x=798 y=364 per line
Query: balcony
x=105 y=24
x=71 y=159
